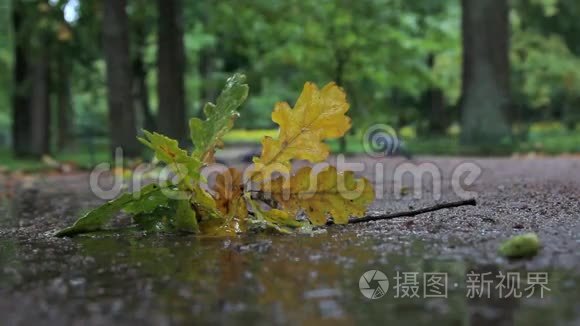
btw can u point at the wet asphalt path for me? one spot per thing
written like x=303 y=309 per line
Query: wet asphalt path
x=304 y=279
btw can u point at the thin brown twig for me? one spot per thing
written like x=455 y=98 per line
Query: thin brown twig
x=468 y=202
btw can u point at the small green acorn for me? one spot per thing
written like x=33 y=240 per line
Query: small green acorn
x=520 y=246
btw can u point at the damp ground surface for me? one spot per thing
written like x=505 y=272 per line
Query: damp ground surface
x=151 y=279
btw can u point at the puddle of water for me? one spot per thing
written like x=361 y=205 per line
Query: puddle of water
x=254 y=279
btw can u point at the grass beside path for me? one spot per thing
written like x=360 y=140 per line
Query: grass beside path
x=82 y=160
x=553 y=143
x=550 y=143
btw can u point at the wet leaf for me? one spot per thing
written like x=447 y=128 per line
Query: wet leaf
x=323 y=194
x=185 y=217
x=158 y=220
x=278 y=217
x=226 y=226
x=168 y=151
x=97 y=218
x=185 y=205
x=230 y=205
x=207 y=134
x=147 y=203
x=229 y=191
x=318 y=115
x=520 y=246
x=204 y=203
x=274 y=218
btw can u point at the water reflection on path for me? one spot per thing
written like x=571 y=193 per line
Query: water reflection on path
x=256 y=279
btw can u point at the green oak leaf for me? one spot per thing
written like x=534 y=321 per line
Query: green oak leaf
x=158 y=220
x=97 y=218
x=207 y=134
x=204 y=203
x=168 y=151
x=148 y=203
x=185 y=217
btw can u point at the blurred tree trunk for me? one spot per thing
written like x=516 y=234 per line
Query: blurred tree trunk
x=571 y=114
x=122 y=122
x=438 y=121
x=141 y=92
x=61 y=79
x=40 y=105
x=435 y=101
x=20 y=101
x=171 y=65
x=485 y=95
x=64 y=102
x=31 y=96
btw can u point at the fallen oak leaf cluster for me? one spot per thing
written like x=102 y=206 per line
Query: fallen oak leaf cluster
x=261 y=199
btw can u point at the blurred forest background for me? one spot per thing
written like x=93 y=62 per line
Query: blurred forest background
x=81 y=77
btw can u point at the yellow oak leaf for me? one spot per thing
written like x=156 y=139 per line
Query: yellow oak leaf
x=231 y=205
x=318 y=115
x=228 y=226
x=276 y=219
x=328 y=193
x=204 y=203
x=229 y=189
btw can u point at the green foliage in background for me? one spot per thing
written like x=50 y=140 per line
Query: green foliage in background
x=387 y=54
x=5 y=69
